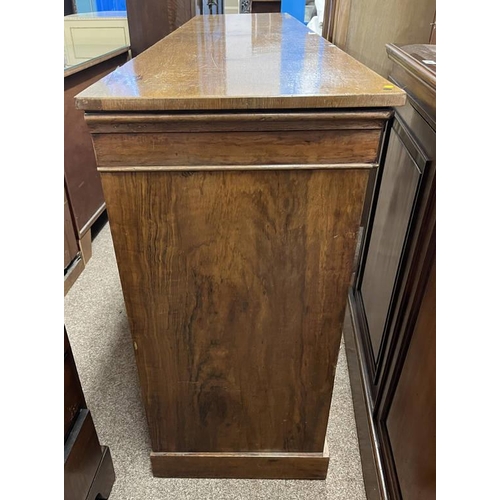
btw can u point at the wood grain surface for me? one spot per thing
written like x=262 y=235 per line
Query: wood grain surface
x=149 y=22
x=398 y=189
x=255 y=61
x=374 y=23
x=117 y=123
x=82 y=455
x=411 y=421
x=70 y=243
x=81 y=177
x=237 y=148
x=235 y=285
x=241 y=465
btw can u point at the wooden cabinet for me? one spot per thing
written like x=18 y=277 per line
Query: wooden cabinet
x=153 y=20
x=88 y=468
x=363 y=27
x=83 y=196
x=391 y=347
x=234 y=198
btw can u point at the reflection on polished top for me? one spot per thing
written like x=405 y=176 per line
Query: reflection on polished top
x=71 y=69
x=251 y=61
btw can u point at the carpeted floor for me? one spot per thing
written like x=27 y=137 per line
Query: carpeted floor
x=97 y=327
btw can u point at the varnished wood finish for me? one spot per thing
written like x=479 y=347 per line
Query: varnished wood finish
x=82 y=179
x=82 y=455
x=413 y=70
x=396 y=198
x=235 y=186
x=74 y=399
x=336 y=21
x=72 y=273
x=191 y=70
x=104 y=477
x=70 y=243
x=149 y=22
x=394 y=400
x=242 y=148
x=363 y=27
x=373 y=474
x=113 y=123
x=76 y=68
x=88 y=468
x=241 y=465
x=248 y=275
x=411 y=419
x=86 y=246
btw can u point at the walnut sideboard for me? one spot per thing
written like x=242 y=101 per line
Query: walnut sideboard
x=235 y=156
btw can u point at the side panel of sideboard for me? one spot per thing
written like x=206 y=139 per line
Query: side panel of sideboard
x=235 y=276
x=235 y=286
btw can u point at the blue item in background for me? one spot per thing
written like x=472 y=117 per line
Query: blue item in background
x=106 y=5
x=100 y=5
x=296 y=8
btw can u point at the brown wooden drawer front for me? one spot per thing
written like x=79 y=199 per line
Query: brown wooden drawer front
x=238 y=148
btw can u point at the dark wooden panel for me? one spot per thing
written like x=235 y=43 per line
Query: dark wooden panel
x=259 y=6
x=104 y=477
x=68 y=7
x=358 y=377
x=238 y=148
x=150 y=21
x=82 y=456
x=235 y=285
x=411 y=420
x=240 y=465
x=70 y=243
x=82 y=179
x=74 y=400
x=395 y=202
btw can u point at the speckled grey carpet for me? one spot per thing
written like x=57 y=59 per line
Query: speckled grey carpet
x=98 y=331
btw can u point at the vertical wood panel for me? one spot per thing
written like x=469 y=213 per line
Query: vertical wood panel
x=70 y=243
x=395 y=202
x=411 y=421
x=373 y=24
x=153 y=20
x=235 y=285
x=80 y=169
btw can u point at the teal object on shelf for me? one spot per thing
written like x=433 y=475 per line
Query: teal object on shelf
x=296 y=8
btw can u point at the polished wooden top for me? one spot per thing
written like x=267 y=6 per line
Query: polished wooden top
x=418 y=59
x=251 y=61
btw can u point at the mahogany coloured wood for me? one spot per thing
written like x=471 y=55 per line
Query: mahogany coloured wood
x=238 y=148
x=234 y=206
x=149 y=22
x=395 y=202
x=88 y=467
x=243 y=62
x=81 y=177
x=411 y=418
x=70 y=243
x=241 y=465
x=234 y=289
x=393 y=397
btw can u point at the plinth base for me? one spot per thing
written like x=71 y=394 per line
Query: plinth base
x=246 y=465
